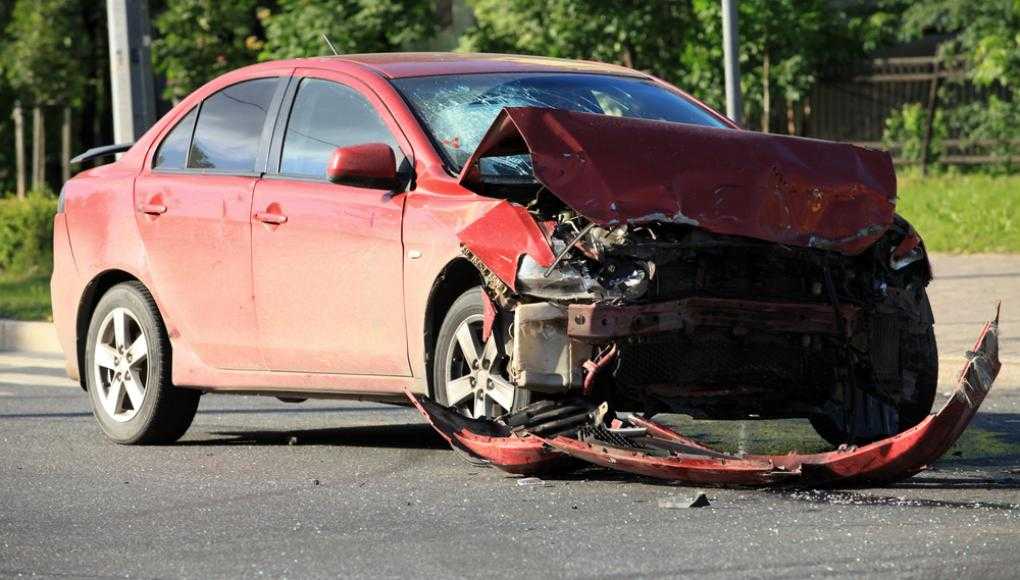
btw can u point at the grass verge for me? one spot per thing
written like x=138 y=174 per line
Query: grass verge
x=25 y=296
x=963 y=213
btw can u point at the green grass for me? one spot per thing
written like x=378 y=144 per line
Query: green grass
x=25 y=296
x=963 y=213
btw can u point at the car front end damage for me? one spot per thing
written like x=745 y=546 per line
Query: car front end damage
x=717 y=273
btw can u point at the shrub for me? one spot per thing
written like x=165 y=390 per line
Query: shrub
x=990 y=128
x=26 y=233
x=905 y=129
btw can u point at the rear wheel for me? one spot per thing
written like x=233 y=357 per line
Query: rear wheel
x=469 y=374
x=127 y=371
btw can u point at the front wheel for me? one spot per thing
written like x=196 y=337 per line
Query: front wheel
x=127 y=371
x=467 y=373
x=867 y=418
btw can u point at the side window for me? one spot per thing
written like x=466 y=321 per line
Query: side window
x=327 y=115
x=230 y=127
x=173 y=151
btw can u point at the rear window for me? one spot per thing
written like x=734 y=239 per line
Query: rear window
x=173 y=152
x=229 y=127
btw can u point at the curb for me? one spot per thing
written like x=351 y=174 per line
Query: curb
x=29 y=336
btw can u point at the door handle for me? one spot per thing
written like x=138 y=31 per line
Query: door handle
x=152 y=208
x=271 y=218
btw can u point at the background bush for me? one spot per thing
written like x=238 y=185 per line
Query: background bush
x=26 y=234
x=905 y=128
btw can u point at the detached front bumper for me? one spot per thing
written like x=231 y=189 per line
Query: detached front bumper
x=636 y=445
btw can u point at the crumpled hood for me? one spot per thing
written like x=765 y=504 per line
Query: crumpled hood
x=614 y=170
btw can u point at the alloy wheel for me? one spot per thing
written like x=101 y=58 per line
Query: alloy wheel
x=476 y=383
x=120 y=365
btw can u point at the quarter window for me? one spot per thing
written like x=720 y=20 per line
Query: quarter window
x=327 y=115
x=173 y=152
x=230 y=126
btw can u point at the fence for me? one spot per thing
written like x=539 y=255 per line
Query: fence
x=854 y=105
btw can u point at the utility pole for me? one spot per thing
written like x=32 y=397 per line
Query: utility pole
x=731 y=58
x=132 y=92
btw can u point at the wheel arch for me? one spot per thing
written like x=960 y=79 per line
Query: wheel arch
x=457 y=277
x=90 y=297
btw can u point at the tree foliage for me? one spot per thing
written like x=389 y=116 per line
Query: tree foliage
x=198 y=40
x=43 y=37
x=681 y=41
x=986 y=35
x=296 y=27
x=983 y=37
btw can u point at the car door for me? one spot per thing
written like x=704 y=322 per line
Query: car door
x=327 y=258
x=193 y=211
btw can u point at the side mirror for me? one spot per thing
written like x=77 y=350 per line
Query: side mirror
x=370 y=165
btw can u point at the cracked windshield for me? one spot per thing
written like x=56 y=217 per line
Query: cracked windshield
x=458 y=109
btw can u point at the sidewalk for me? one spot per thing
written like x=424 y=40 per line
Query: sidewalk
x=28 y=336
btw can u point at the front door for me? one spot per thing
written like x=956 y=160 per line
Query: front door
x=327 y=258
x=193 y=211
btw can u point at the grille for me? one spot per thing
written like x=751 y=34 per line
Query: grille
x=603 y=435
x=673 y=358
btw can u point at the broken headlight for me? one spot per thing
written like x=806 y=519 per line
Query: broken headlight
x=626 y=281
x=565 y=282
x=574 y=280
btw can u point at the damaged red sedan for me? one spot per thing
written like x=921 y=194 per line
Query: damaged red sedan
x=541 y=254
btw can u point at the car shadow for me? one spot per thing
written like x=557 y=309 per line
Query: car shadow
x=201 y=412
x=399 y=436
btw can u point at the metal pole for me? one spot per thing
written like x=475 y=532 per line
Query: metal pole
x=731 y=58
x=131 y=84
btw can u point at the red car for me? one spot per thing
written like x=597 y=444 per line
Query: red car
x=503 y=234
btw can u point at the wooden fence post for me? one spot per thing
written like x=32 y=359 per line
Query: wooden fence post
x=933 y=98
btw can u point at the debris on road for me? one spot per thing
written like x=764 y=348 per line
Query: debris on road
x=555 y=436
x=532 y=482
x=698 y=501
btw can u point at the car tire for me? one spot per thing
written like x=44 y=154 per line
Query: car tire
x=127 y=371
x=450 y=363
x=926 y=376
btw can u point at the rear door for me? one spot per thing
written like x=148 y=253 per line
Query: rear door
x=193 y=209
x=328 y=280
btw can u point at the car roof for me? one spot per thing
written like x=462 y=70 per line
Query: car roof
x=414 y=64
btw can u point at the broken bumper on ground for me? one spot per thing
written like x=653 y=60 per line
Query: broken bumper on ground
x=640 y=446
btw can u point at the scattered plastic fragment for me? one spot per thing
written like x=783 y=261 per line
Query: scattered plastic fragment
x=700 y=500
x=532 y=481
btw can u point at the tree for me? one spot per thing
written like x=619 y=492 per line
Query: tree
x=986 y=35
x=198 y=40
x=296 y=28
x=785 y=44
x=9 y=154
x=648 y=36
x=985 y=41
x=40 y=63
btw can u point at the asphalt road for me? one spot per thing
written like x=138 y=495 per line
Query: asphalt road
x=326 y=488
